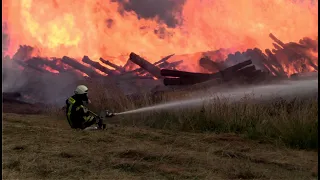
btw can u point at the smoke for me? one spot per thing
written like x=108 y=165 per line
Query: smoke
x=162 y=9
x=12 y=77
x=43 y=88
x=284 y=90
x=5 y=39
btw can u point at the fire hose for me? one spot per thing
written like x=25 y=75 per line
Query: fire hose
x=93 y=113
x=101 y=117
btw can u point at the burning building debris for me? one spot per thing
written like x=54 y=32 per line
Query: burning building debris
x=126 y=50
x=283 y=61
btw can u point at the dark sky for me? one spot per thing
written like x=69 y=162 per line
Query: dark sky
x=151 y=8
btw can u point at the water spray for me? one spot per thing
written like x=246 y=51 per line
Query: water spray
x=287 y=89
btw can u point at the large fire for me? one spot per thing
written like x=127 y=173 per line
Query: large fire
x=96 y=28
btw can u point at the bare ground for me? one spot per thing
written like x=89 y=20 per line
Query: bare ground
x=44 y=147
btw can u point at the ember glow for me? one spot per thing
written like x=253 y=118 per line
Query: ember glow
x=96 y=28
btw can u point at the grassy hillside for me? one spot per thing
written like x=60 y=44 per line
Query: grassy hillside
x=43 y=147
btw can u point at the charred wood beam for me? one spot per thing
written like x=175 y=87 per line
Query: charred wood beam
x=97 y=65
x=118 y=68
x=209 y=65
x=75 y=64
x=163 y=65
x=247 y=71
x=160 y=65
x=141 y=71
x=224 y=73
x=169 y=65
x=228 y=73
x=186 y=78
x=315 y=67
x=183 y=74
x=152 y=69
x=132 y=77
x=276 y=40
x=274 y=51
x=258 y=58
x=257 y=76
x=265 y=62
x=50 y=63
x=275 y=62
x=237 y=66
x=53 y=63
x=271 y=68
x=183 y=81
x=276 y=46
x=62 y=66
x=30 y=66
x=161 y=61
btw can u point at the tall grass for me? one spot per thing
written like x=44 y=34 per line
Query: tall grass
x=293 y=123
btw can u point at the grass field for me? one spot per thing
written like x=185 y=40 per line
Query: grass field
x=247 y=139
x=44 y=147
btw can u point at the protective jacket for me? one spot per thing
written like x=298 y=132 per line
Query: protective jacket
x=77 y=114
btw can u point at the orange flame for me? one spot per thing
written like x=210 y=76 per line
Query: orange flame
x=76 y=28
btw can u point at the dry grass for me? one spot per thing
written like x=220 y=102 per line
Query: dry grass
x=293 y=123
x=44 y=147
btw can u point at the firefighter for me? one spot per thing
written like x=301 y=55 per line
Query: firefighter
x=79 y=117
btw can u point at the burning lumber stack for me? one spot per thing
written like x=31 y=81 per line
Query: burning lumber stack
x=89 y=67
x=139 y=75
x=279 y=62
x=285 y=59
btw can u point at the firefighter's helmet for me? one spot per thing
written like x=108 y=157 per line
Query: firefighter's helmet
x=81 y=89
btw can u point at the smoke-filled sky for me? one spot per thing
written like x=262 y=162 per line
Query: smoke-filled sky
x=151 y=8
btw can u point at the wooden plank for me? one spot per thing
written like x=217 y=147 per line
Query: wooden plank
x=97 y=65
x=75 y=64
x=146 y=65
x=118 y=68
